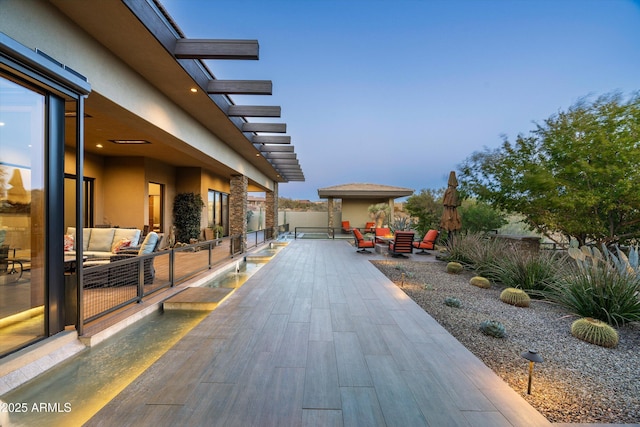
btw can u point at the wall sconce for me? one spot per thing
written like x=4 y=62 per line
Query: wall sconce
x=532 y=356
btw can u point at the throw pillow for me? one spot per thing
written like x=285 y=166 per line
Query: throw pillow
x=122 y=243
x=68 y=242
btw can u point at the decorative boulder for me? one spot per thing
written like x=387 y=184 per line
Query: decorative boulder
x=595 y=332
x=454 y=268
x=516 y=297
x=480 y=282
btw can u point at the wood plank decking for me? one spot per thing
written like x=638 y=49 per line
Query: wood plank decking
x=318 y=337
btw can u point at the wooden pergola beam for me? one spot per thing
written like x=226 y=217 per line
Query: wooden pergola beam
x=271 y=139
x=216 y=49
x=240 y=87
x=265 y=127
x=274 y=148
x=274 y=155
x=284 y=161
x=253 y=111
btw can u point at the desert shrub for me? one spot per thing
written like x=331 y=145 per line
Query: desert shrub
x=600 y=291
x=533 y=272
x=476 y=251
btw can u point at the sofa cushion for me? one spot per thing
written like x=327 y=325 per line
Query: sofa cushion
x=131 y=234
x=86 y=234
x=101 y=239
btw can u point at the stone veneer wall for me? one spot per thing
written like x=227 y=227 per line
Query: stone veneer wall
x=271 y=214
x=238 y=207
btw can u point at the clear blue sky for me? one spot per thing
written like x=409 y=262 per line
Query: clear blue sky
x=401 y=92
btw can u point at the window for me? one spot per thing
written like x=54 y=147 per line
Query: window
x=218 y=210
x=22 y=214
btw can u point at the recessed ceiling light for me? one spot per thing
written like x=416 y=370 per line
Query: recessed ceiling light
x=129 y=141
x=99 y=145
x=194 y=90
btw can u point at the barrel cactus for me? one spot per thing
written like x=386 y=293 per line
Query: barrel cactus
x=493 y=328
x=516 y=297
x=480 y=282
x=595 y=332
x=453 y=302
x=454 y=267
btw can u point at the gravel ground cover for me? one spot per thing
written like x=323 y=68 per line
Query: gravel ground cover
x=577 y=382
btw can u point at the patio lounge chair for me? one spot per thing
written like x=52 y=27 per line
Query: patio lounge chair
x=370 y=227
x=346 y=227
x=402 y=244
x=361 y=243
x=128 y=274
x=427 y=243
x=382 y=232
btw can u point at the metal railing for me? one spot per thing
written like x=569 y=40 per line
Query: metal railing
x=113 y=285
x=321 y=232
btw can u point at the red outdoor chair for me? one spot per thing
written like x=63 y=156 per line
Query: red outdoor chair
x=427 y=243
x=402 y=244
x=369 y=227
x=346 y=226
x=361 y=243
x=382 y=232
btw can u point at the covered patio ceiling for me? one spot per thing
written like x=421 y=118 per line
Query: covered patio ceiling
x=144 y=36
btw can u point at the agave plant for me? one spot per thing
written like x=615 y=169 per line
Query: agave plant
x=604 y=285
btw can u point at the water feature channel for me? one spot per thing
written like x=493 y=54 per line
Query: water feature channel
x=71 y=393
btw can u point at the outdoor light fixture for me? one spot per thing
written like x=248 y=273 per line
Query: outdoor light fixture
x=532 y=356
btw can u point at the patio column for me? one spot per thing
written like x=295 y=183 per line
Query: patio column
x=271 y=214
x=391 y=206
x=238 y=207
x=330 y=207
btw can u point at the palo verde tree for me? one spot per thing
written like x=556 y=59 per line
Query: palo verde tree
x=575 y=175
x=427 y=207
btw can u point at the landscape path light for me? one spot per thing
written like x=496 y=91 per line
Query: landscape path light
x=532 y=356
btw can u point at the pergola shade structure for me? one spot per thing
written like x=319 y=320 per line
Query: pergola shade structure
x=204 y=49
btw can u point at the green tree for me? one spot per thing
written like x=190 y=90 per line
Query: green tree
x=427 y=207
x=478 y=217
x=575 y=174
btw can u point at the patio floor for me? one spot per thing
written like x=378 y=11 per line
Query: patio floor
x=319 y=337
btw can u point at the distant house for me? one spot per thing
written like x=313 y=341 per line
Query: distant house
x=356 y=199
